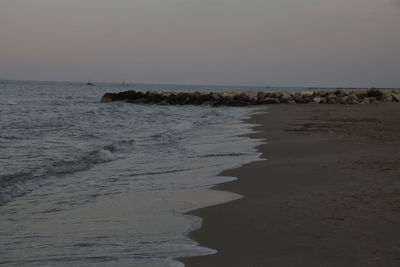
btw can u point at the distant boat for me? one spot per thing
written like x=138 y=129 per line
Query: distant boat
x=89 y=83
x=124 y=84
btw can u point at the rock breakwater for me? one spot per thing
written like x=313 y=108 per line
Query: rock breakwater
x=252 y=98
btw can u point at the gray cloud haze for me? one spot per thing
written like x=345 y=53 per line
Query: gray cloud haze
x=253 y=42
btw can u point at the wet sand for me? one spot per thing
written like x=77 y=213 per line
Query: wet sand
x=327 y=195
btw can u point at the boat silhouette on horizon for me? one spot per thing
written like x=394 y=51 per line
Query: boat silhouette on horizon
x=89 y=83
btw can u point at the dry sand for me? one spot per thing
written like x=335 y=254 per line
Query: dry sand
x=328 y=195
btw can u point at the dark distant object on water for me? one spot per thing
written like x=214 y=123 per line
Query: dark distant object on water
x=90 y=83
x=124 y=84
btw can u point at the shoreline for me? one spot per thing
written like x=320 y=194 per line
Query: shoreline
x=326 y=196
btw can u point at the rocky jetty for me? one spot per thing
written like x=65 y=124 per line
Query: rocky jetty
x=253 y=98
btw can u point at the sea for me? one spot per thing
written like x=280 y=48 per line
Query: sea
x=84 y=183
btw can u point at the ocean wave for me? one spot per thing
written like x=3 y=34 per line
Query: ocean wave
x=183 y=126
x=160 y=172
x=18 y=184
x=8 y=102
x=103 y=155
x=233 y=154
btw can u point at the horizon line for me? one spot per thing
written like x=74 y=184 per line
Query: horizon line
x=195 y=84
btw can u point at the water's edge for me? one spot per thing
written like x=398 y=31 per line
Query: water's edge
x=88 y=183
x=222 y=196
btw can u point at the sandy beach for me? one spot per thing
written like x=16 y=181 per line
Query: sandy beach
x=328 y=193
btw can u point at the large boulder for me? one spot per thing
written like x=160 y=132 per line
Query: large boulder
x=396 y=97
x=285 y=97
x=107 y=97
x=332 y=99
x=252 y=96
x=214 y=96
x=307 y=93
x=317 y=99
x=299 y=99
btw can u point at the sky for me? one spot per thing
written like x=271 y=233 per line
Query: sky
x=335 y=43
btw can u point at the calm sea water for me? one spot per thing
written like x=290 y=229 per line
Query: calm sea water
x=90 y=184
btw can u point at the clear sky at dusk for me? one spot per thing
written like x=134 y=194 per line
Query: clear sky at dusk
x=252 y=42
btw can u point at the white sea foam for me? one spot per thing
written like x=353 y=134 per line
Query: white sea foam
x=184 y=126
x=103 y=155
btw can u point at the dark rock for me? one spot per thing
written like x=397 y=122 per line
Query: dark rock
x=248 y=98
x=396 y=97
x=108 y=97
x=299 y=99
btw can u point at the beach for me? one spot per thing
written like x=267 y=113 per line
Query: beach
x=200 y=133
x=327 y=193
